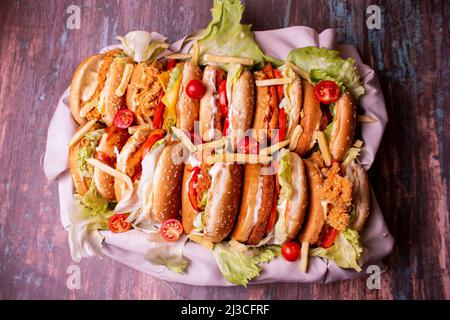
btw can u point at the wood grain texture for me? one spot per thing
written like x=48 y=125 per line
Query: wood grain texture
x=410 y=175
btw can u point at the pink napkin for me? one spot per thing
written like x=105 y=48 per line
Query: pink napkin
x=130 y=247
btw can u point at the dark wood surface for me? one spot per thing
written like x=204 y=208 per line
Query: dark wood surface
x=410 y=175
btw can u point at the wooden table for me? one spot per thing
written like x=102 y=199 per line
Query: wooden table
x=410 y=175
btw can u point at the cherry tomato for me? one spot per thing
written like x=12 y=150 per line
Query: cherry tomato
x=280 y=88
x=195 y=89
x=329 y=238
x=192 y=188
x=159 y=113
x=248 y=145
x=171 y=63
x=154 y=136
x=124 y=118
x=273 y=215
x=282 y=124
x=290 y=251
x=105 y=158
x=171 y=230
x=223 y=98
x=117 y=223
x=326 y=91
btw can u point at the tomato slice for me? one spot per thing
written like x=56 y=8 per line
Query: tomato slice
x=248 y=145
x=280 y=88
x=223 y=98
x=327 y=91
x=282 y=124
x=291 y=251
x=171 y=230
x=154 y=136
x=117 y=223
x=124 y=118
x=192 y=188
x=171 y=63
x=159 y=113
x=105 y=158
x=329 y=238
x=137 y=175
x=225 y=127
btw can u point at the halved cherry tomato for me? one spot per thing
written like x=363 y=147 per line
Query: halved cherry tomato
x=282 y=124
x=327 y=91
x=329 y=238
x=280 y=88
x=248 y=145
x=117 y=223
x=273 y=215
x=195 y=89
x=171 y=230
x=154 y=136
x=159 y=113
x=105 y=158
x=192 y=188
x=225 y=127
x=124 y=118
x=223 y=98
x=291 y=251
x=171 y=63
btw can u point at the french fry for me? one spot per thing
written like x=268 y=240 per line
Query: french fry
x=323 y=146
x=295 y=136
x=112 y=172
x=302 y=73
x=195 y=52
x=80 y=133
x=88 y=107
x=304 y=257
x=201 y=241
x=120 y=91
x=226 y=59
x=185 y=140
x=272 y=82
x=179 y=56
x=237 y=158
x=366 y=119
x=274 y=148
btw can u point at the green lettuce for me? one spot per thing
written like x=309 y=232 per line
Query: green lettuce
x=240 y=267
x=90 y=213
x=345 y=251
x=174 y=75
x=285 y=175
x=324 y=64
x=234 y=72
x=139 y=46
x=168 y=254
x=85 y=152
x=226 y=36
x=351 y=155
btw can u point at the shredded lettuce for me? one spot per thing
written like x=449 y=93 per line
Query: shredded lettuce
x=168 y=254
x=85 y=152
x=351 y=155
x=90 y=213
x=285 y=175
x=345 y=251
x=226 y=36
x=139 y=46
x=240 y=267
x=324 y=64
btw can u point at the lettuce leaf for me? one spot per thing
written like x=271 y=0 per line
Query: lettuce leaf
x=226 y=36
x=324 y=64
x=139 y=46
x=240 y=267
x=168 y=254
x=85 y=152
x=284 y=175
x=174 y=75
x=351 y=155
x=345 y=251
x=90 y=213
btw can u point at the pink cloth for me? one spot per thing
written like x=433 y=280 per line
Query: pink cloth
x=130 y=247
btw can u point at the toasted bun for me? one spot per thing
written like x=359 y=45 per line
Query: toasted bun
x=113 y=139
x=296 y=205
x=248 y=230
x=223 y=201
x=123 y=164
x=360 y=194
x=187 y=108
x=240 y=109
x=83 y=84
x=208 y=107
x=167 y=181
x=295 y=92
x=112 y=103
x=310 y=121
x=315 y=218
x=344 y=126
x=143 y=91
